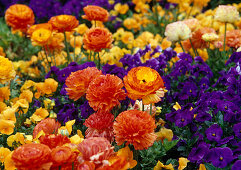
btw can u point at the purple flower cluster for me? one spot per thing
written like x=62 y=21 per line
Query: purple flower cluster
x=45 y=9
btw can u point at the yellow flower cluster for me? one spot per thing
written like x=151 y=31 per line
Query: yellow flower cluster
x=7 y=71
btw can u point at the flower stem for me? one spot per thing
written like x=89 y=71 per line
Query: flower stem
x=98 y=60
x=72 y=165
x=67 y=48
x=74 y=47
x=224 y=43
x=136 y=156
x=181 y=46
x=151 y=109
x=195 y=52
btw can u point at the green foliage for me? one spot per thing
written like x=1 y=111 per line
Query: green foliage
x=15 y=46
x=157 y=151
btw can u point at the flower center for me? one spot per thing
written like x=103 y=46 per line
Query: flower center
x=190 y=91
x=182 y=120
x=213 y=134
x=221 y=158
x=226 y=107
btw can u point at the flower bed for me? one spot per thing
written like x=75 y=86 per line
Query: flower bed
x=137 y=85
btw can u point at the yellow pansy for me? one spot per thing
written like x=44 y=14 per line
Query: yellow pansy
x=76 y=139
x=9 y=114
x=160 y=166
x=164 y=134
x=177 y=106
x=39 y=115
x=4 y=152
x=6 y=126
x=182 y=163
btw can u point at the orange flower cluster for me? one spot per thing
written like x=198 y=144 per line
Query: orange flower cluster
x=100 y=125
x=95 y=13
x=135 y=127
x=49 y=126
x=32 y=156
x=63 y=156
x=104 y=92
x=233 y=38
x=63 y=23
x=53 y=140
x=95 y=149
x=144 y=83
x=19 y=17
x=78 y=82
x=197 y=40
x=96 y=39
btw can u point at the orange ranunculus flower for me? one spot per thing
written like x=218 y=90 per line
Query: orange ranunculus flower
x=53 y=140
x=96 y=39
x=63 y=156
x=78 y=82
x=135 y=127
x=95 y=149
x=197 y=40
x=144 y=83
x=104 y=92
x=38 y=26
x=100 y=125
x=95 y=13
x=233 y=38
x=63 y=23
x=19 y=17
x=49 y=126
x=32 y=156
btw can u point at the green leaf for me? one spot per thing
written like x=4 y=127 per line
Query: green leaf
x=209 y=166
x=169 y=145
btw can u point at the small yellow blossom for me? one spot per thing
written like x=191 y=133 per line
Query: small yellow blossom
x=7 y=71
x=3 y=106
x=9 y=114
x=26 y=94
x=39 y=115
x=21 y=106
x=6 y=126
x=76 y=139
x=122 y=9
x=4 y=93
x=202 y=167
x=182 y=163
x=4 y=152
x=164 y=134
x=9 y=163
x=160 y=166
x=177 y=106
x=210 y=37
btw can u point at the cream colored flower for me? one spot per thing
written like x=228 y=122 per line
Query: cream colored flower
x=226 y=13
x=177 y=31
x=210 y=37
